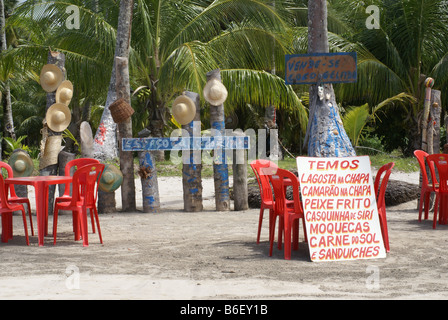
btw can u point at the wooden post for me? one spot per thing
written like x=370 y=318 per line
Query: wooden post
x=58 y=59
x=325 y=135
x=148 y=175
x=429 y=83
x=435 y=114
x=220 y=168
x=125 y=131
x=240 y=191
x=192 y=162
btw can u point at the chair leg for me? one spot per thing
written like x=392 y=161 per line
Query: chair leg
x=25 y=227
x=31 y=217
x=98 y=225
x=55 y=224
x=271 y=233
x=260 y=221
x=434 y=220
x=84 y=228
x=92 y=220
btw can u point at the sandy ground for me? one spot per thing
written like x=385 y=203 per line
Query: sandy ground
x=213 y=255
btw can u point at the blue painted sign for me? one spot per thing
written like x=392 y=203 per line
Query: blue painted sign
x=183 y=143
x=315 y=68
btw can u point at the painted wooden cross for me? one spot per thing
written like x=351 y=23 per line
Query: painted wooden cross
x=196 y=144
x=183 y=143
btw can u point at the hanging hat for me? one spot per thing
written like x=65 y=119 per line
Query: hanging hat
x=215 y=92
x=21 y=163
x=120 y=110
x=58 y=117
x=51 y=77
x=111 y=178
x=183 y=109
x=51 y=151
x=64 y=93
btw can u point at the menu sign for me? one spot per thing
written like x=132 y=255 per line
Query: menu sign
x=339 y=204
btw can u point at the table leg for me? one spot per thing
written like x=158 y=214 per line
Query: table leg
x=41 y=214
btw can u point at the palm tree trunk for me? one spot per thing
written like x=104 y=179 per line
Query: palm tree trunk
x=8 y=123
x=220 y=167
x=105 y=141
x=325 y=135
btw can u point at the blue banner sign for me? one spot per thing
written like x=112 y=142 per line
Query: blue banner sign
x=340 y=67
x=183 y=143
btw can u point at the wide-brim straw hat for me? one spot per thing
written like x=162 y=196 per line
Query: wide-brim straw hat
x=58 y=117
x=121 y=110
x=64 y=93
x=21 y=163
x=215 y=92
x=183 y=110
x=53 y=145
x=51 y=77
x=111 y=179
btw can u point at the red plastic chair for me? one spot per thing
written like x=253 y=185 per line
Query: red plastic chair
x=380 y=186
x=439 y=162
x=84 y=194
x=426 y=187
x=288 y=215
x=6 y=210
x=13 y=198
x=69 y=169
x=267 y=200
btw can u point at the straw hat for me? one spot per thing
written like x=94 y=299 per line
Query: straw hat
x=51 y=77
x=58 y=117
x=120 y=110
x=21 y=163
x=51 y=151
x=111 y=178
x=215 y=92
x=183 y=110
x=64 y=93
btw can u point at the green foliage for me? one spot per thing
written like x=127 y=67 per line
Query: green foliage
x=12 y=145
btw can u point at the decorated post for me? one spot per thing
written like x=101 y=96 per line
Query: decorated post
x=57 y=117
x=215 y=94
x=186 y=110
x=148 y=176
x=429 y=83
x=325 y=136
x=124 y=122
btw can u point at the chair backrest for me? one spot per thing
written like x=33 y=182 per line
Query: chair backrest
x=4 y=204
x=263 y=177
x=78 y=163
x=74 y=165
x=85 y=183
x=10 y=172
x=278 y=185
x=421 y=158
x=382 y=175
x=439 y=161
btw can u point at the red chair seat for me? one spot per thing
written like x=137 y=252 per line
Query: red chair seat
x=6 y=210
x=426 y=187
x=288 y=215
x=84 y=194
x=13 y=198
x=380 y=186
x=69 y=169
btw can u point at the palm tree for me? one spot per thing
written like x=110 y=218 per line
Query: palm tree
x=182 y=40
x=8 y=130
x=394 y=60
x=173 y=45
